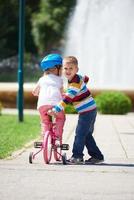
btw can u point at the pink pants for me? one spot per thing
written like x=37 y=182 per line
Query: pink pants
x=46 y=123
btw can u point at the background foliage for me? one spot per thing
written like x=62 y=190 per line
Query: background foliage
x=45 y=21
x=49 y=23
x=113 y=102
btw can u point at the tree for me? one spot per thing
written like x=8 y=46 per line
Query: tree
x=9 y=27
x=49 y=23
x=44 y=25
x=9 y=23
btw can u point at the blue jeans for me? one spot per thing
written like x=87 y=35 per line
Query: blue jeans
x=84 y=136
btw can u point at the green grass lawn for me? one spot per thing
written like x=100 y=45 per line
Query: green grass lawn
x=14 y=135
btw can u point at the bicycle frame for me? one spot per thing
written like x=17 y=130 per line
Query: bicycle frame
x=50 y=144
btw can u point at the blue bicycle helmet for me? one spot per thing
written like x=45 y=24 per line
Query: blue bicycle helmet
x=50 y=61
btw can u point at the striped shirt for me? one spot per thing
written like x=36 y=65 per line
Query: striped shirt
x=77 y=94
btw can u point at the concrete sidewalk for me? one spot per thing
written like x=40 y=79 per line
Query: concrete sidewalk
x=114 y=180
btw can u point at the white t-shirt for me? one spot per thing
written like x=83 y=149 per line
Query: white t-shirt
x=50 y=93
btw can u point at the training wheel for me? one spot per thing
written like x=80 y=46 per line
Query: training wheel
x=31 y=157
x=64 y=159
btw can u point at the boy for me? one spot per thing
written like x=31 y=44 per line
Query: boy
x=79 y=95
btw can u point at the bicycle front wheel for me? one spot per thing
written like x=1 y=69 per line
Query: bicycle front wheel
x=47 y=147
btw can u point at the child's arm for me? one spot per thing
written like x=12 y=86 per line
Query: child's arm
x=36 y=90
x=71 y=92
x=51 y=112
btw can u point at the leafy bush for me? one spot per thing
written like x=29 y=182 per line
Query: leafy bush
x=0 y=107
x=113 y=102
x=70 y=109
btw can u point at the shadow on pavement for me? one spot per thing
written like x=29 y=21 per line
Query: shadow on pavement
x=115 y=164
x=100 y=164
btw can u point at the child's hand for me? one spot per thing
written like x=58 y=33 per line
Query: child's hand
x=85 y=79
x=36 y=91
x=51 y=113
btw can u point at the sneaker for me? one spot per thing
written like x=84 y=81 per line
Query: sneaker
x=57 y=138
x=57 y=141
x=73 y=160
x=94 y=161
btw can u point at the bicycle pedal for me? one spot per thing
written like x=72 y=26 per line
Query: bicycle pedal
x=64 y=147
x=37 y=144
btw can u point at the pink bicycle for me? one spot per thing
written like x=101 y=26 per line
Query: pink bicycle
x=50 y=144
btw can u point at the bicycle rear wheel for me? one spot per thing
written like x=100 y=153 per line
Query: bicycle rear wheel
x=47 y=147
x=57 y=150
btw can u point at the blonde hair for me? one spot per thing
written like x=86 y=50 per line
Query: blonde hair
x=71 y=60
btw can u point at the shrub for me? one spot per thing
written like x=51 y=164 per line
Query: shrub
x=113 y=102
x=70 y=109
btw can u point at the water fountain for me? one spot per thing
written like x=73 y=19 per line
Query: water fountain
x=101 y=35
